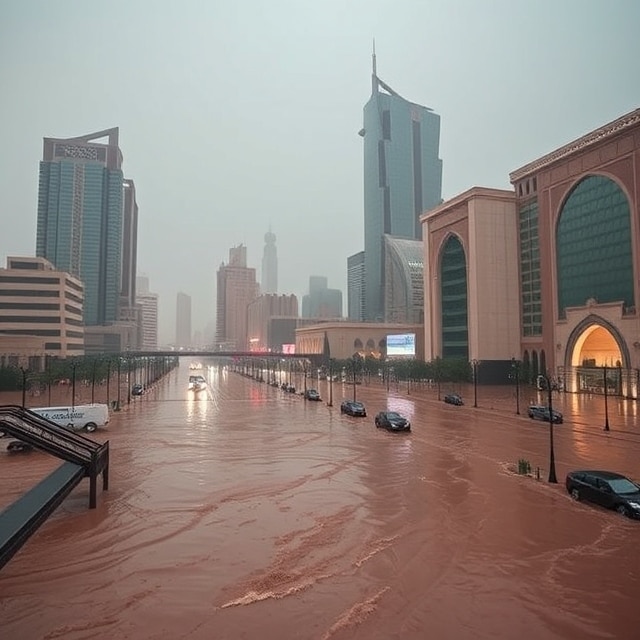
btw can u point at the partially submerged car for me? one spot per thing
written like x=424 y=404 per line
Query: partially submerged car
x=454 y=398
x=197 y=383
x=312 y=394
x=392 y=421
x=606 y=488
x=353 y=408
x=541 y=412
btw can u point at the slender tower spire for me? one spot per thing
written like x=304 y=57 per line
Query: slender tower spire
x=374 y=72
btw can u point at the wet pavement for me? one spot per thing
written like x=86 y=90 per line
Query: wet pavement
x=243 y=511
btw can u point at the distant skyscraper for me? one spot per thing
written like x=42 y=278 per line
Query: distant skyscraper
x=321 y=302
x=148 y=304
x=402 y=178
x=355 y=287
x=85 y=220
x=183 y=320
x=237 y=288
x=270 y=264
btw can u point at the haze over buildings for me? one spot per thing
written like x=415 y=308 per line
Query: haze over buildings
x=235 y=118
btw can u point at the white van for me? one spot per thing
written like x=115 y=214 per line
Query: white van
x=82 y=416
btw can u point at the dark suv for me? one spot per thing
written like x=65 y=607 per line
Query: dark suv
x=541 y=412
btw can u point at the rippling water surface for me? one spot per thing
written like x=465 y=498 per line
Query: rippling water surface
x=246 y=512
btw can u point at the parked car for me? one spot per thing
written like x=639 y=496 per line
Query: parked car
x=353 y=408
x=312 y=394
x=137 y=390
x=541 y=412
x=392 y=421
x=606 y=488
x=17 y=446
x=454 y=398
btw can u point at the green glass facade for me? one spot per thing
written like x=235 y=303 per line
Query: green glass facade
x=530 y=284
x=453 y=295
x=593 y=245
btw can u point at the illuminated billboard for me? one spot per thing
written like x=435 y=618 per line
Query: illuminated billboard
x=403 y=344
x=288 y=348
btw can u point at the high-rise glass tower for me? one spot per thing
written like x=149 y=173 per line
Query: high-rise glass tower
x=270 y=264
x=402 y=178
x=81 y=226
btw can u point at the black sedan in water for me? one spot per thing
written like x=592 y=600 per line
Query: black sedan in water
x=353 y=408
x=606 y=488
x=454 y=398
x=541 y=412
x=392 y=421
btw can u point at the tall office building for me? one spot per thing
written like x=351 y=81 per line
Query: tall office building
x=402 y=178
x=85 y=220
x=237 y=288
x=355 y=287
x=148 y=305
x=183 y=320
x=321 y=302
x=270 y=264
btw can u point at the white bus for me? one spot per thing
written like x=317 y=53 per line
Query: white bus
x=82 y=416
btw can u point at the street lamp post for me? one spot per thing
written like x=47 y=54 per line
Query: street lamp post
x=24 y=386
x=73 y=384
x=330 y=403
x=552 y=457
x=515 y=364
x=119 y=384
x=475 y=383
x=93 y=380
x=108 y=378
x=606 y=401
x=353 y=361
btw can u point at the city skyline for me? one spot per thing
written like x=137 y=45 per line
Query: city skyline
x=286 y=151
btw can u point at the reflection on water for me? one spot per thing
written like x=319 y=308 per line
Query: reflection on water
x=245 y=512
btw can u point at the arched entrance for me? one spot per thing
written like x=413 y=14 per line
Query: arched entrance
x=595 y=351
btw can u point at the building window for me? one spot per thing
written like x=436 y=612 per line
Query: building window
x=453 y=292
x=530 y=284
x=593 y=246
x=386 y=124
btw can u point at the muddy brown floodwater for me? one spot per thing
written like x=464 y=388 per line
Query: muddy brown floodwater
x=246 y=512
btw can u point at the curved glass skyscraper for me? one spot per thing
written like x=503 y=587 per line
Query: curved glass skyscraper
x=402 y=178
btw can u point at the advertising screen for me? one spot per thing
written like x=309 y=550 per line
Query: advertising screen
x=288 y=348
x=403 y=344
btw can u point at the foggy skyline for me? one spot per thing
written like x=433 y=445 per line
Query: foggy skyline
x=239 y=118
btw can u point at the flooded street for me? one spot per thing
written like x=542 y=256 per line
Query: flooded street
x=242 y=511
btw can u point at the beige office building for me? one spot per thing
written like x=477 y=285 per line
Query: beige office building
x=471 y=287
x=237 y=288
x=41 y=312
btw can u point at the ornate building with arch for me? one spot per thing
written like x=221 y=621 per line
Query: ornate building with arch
x=547 y=275
x=579 y=254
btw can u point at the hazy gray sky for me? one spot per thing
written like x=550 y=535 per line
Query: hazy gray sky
x=237 y=115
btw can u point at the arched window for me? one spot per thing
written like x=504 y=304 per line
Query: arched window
x=357 y=344
x=534 y=365
x=593 y=245
x=453 y=297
